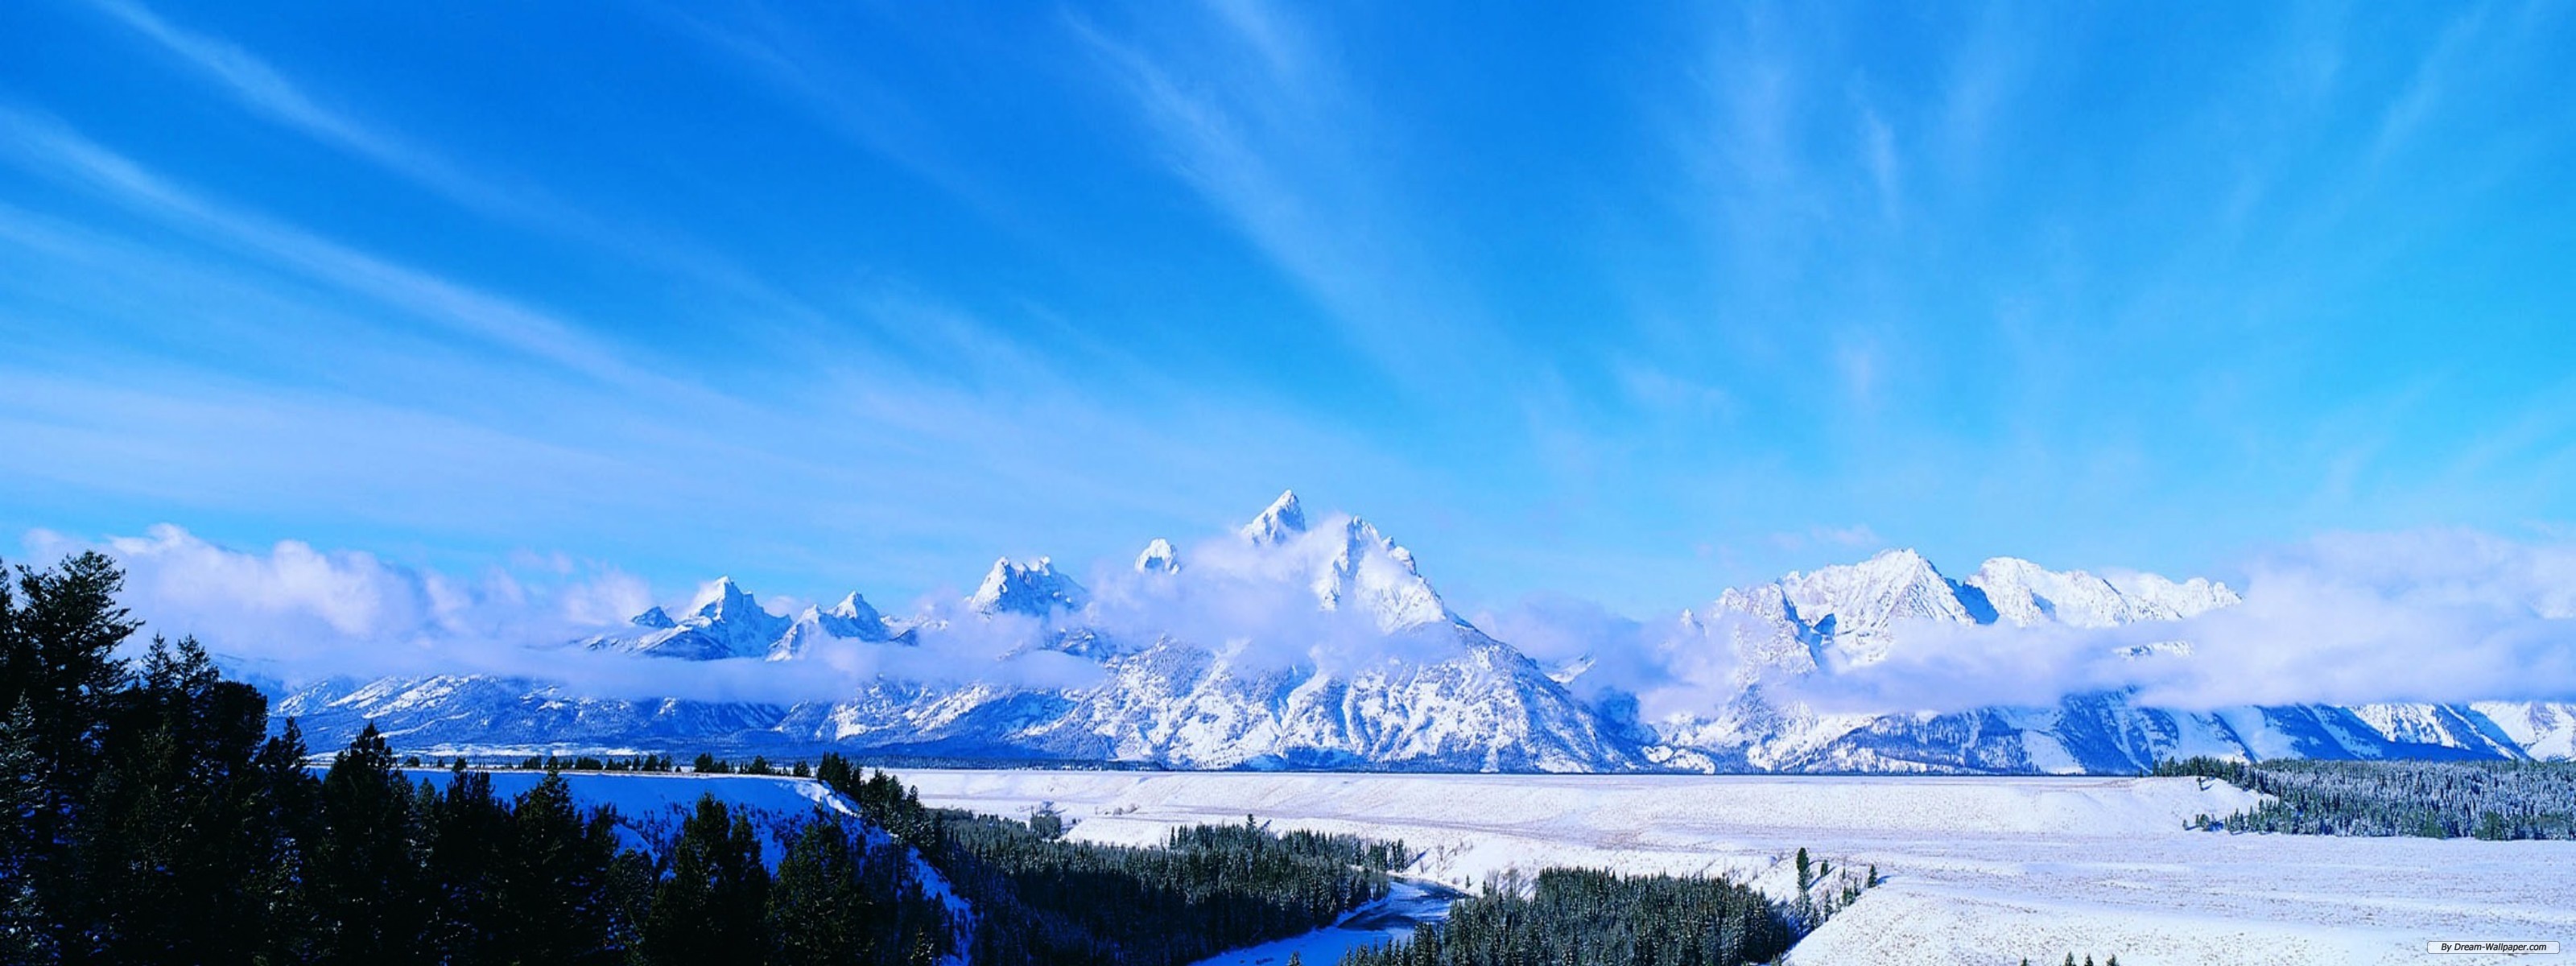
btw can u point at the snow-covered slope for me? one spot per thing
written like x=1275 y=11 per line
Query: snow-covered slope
x=1842 y=617
x=1033 y=589
x=724 y=622
x=1423 y=688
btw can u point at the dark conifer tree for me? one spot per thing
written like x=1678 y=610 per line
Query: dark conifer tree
x=819 y=910
x=24 y=935
x=58 y=635
x=559 y=898
x=469 y=848
x=713 y=894
x=292 y=821
x=173 y=822
x=368 y=880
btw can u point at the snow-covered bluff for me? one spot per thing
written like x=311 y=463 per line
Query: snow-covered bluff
x=1419 y=687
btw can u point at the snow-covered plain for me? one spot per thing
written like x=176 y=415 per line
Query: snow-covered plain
x=1978 y=870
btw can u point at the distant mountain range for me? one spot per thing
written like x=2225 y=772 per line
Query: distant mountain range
x=1445 y=696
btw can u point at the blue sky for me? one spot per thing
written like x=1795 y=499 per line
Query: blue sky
x=1630 y=304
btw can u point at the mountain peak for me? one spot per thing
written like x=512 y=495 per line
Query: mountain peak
x=724 y=621
x=1854 y=604
x=1283 y=520
x=1158 y=558
x=724 y=598
x=852 y=618
x=855 y=607
x=1368 y=569
x=1899 y=558
x=1033 y=589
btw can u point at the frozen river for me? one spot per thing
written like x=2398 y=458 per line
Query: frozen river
x=1978 y=870
x=1409 y=905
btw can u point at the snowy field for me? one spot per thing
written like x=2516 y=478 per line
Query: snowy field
x=1978 y=870
x=642 y=793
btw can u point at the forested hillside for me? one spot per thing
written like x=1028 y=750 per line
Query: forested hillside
x=154 y=817
x=2434 y=799
x=1042 y=898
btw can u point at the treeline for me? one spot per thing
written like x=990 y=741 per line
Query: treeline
x=151 y=818
x=1599 y=919
x=705 y=764
x=2433 y=799
x=633 y=763
x=1039 y=897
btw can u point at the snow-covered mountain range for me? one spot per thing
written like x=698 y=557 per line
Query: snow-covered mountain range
x=1304 y=642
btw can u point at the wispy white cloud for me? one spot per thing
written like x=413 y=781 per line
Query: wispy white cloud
x=2430 y=83
x=50 y=147
x=258 y=85
x=1986 y=69
x=856 y=105
x=909 y=462
x=261 y=87
x=1253 y=116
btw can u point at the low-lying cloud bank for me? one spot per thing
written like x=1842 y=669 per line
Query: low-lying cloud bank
x=294 y=614
x=2351 y=618
x=2435 y=615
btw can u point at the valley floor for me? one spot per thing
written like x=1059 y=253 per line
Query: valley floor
x=1978 y=870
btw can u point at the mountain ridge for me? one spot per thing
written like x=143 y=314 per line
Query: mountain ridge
x=1424 y=688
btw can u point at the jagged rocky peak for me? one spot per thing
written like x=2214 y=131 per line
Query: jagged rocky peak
x=1158 y=558
x=2157 y=598
x=855 y=607
x=1034 y=589
x=724 y=599
x=1282 y=522
x=1760 y=628
x=853 y=617
x=723 y=621
x=1866 y=597
x=1366 y=567
x=2024 y=593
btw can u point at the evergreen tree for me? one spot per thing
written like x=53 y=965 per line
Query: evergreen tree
x=711 y=901
x=818 y=909
x=469 y=848
x=368 y=877
x=24 y=935
x=290 y=821
x=173 y=821
x=559 y=885
x=58 y=635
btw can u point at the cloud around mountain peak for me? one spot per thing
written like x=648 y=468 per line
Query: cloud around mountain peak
x=2437 y=615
